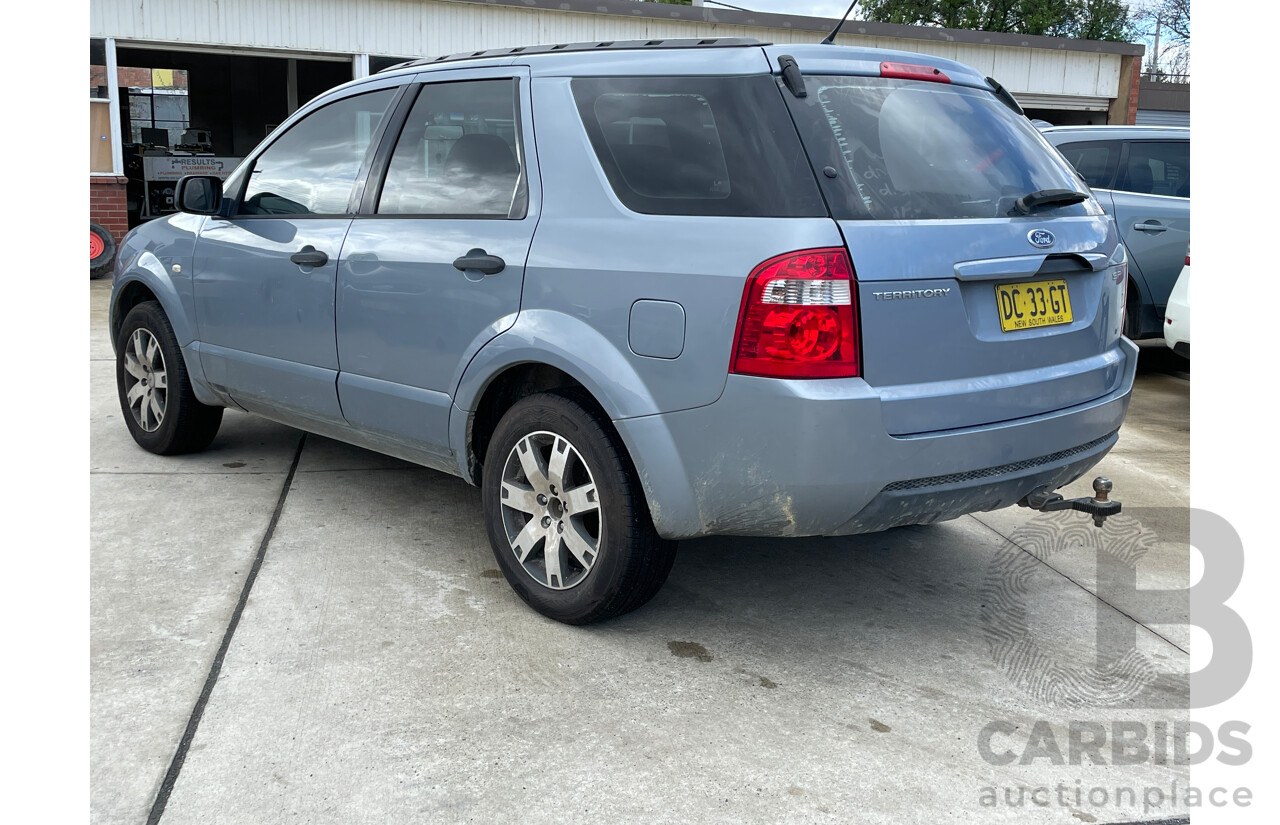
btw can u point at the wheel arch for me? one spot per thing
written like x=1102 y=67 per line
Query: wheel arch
x=538 y=354
x=140 y=282
x=145 y=280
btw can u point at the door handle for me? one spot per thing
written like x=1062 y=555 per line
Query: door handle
x=480 y=260
x=1150 y=227
x=309 y=256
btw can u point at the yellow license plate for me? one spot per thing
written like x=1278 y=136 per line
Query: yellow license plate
x=1033 y=305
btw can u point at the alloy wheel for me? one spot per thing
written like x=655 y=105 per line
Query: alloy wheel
x=146 y=381
x=551 y=510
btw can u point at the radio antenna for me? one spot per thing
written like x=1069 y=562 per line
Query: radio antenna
x=831 y=38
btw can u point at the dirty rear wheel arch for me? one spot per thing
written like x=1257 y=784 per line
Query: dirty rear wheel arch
x=504 y=391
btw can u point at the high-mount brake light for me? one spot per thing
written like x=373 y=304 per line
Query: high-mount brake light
x=799 y=318
x=912 y=71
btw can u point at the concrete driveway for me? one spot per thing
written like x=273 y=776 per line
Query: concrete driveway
x=380 y=670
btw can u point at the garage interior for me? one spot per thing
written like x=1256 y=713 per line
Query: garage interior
x=207 y=104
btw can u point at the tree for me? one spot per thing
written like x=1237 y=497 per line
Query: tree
x=1104 y=20
x=1088 y=19
x=1174 y=17
x=1168 y=24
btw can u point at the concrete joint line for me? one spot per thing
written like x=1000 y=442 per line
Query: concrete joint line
x=1133 y=619
x=193 y=723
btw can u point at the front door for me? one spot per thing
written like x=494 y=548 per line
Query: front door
x=433 y=265
x=264 y=278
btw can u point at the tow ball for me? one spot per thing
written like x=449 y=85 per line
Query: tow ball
x=1100 y=506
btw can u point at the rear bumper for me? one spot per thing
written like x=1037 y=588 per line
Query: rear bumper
x=802 y=458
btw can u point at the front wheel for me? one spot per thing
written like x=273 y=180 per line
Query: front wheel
x=566 y=516
x=159 y=406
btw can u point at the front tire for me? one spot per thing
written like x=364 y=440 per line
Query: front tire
x=156 y=398
x=566 y=516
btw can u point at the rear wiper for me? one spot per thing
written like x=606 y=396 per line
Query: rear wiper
x=791 y=75
x=1048 y=197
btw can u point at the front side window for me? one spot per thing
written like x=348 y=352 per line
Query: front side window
x=312 y=168
x=1158 y=168
x=458 y=154
x=1094 y=160
x=920 y=150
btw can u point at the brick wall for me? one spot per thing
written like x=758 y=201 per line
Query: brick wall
x=1124 y=106
x=107 y=204
x=1135 y=83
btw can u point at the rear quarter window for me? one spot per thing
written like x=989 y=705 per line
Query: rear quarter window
x=710 y=146
x=1095 y=160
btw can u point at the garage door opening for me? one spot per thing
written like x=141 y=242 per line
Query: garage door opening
x=195 y=112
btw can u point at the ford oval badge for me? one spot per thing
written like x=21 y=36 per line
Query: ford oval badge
x=1042 y=238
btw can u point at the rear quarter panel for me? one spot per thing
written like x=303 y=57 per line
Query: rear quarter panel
x=592 y=260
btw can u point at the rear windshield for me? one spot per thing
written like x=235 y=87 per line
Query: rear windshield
x=720 y=146
x=918 y=150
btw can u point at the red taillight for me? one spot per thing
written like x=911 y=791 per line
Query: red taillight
x=912 y=71
x=798 y=318
x=1188 y=253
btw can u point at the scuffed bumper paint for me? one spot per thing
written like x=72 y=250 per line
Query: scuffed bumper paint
x=804 y=458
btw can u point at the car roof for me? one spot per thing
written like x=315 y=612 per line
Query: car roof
x=726 y=55
x=1118 y=132
x=689 y=56
x=586 y=46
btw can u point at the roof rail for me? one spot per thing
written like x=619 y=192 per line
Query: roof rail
x=607 y=45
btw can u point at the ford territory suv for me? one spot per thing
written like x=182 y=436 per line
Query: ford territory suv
x=642 y=292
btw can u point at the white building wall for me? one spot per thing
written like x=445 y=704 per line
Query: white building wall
x=412 y=28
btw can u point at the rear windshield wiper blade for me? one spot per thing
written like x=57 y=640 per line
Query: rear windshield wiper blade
x=1048 y=197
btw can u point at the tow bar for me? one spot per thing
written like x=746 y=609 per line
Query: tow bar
x=1100 y=506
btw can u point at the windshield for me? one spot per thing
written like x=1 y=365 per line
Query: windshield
x=917 y=150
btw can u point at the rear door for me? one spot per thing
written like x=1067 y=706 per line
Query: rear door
x=971 y=311
x=1152 y=203
x=433 y=265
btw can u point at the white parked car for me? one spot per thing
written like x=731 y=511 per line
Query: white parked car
x=1177 y=314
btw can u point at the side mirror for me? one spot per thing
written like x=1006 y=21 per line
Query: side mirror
x=199 y=194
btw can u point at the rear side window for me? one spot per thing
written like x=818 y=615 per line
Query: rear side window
x=1094 y=160
x=721 y=146
x=1158 y=168
x=459 y=154
x=919 y=150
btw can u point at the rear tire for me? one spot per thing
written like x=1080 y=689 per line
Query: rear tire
x=159 y=406
x=566 y=515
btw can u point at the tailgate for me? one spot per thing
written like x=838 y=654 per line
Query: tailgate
x=990 y=282
x=933 y=342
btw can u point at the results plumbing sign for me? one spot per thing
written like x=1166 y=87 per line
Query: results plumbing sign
x=173 y=168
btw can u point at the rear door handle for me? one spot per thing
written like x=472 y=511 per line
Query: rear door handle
x=309 y=256
x=480 y=260
x=1150 y=227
